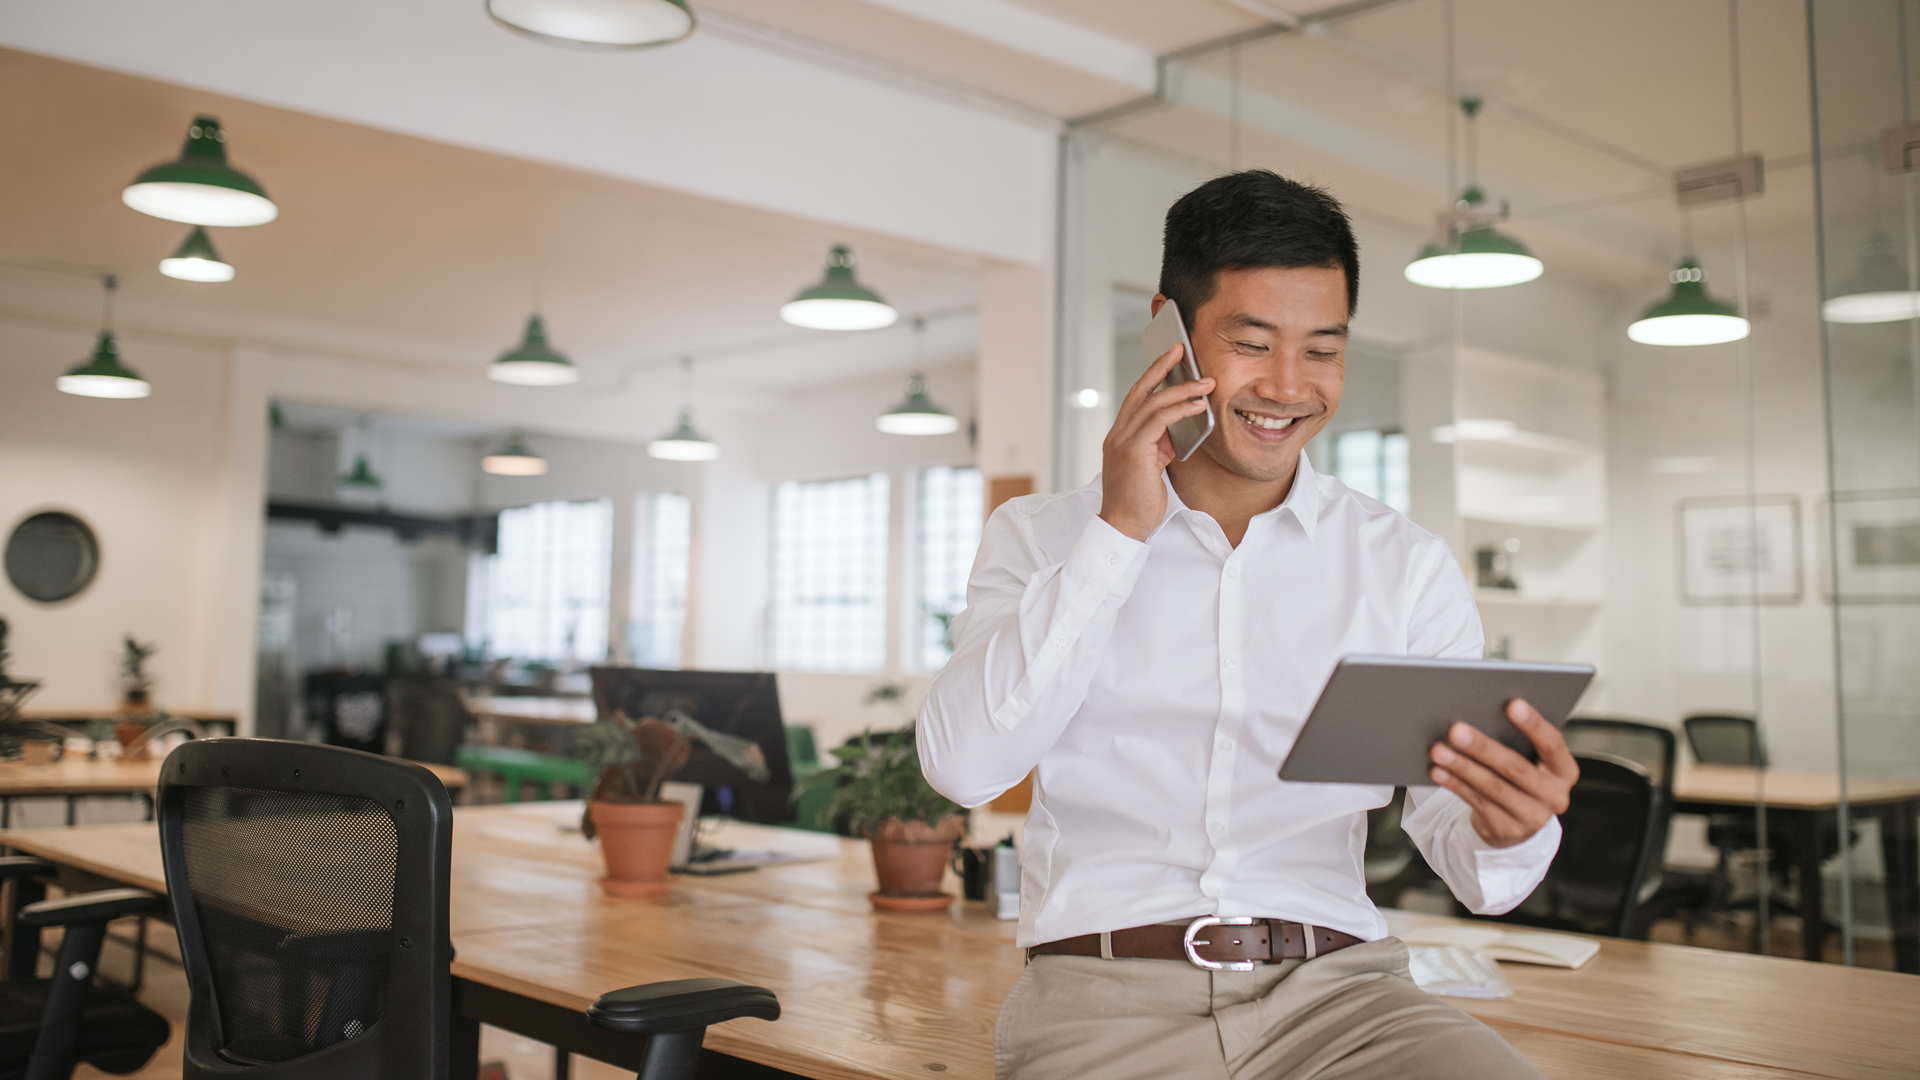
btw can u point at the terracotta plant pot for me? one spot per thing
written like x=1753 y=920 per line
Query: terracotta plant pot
x=636 y=839
x=910 y=858
x=129 y=737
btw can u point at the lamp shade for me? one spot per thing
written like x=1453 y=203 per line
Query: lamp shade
x=1690 y=316
x=102 y=375
x=195 y=260
x=683 y=443
x=362 y=476
x=514 y=459
x=199 y=187
x=604 y=24
x=917 y=415
x=1880 y=292
x=533 y=363
x=839 y=302
x=1481 y=258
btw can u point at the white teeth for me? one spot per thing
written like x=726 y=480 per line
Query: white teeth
x=1266 y=422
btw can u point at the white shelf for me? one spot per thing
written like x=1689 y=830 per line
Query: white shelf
x=1514 y=598
x=1558 y=522
x=1527 y=450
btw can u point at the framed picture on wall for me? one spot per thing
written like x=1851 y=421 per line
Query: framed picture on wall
x=1877 y=540
x=1733 y=552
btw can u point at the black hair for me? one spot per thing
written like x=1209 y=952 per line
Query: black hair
x=1251 y=219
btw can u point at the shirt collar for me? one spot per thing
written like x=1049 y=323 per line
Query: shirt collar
x=1302 y=501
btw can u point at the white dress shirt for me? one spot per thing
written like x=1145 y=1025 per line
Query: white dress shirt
x=1156 y=687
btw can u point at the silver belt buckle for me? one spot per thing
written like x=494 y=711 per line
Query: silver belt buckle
x=1187 y=942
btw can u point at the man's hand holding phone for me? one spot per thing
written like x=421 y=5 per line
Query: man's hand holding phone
x=1137 y=450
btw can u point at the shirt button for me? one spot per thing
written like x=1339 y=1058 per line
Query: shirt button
x=1226 y=746
x=1218 y=828
x=1113 y=560
x=1233 y=571
x=1232 y=664
x=1061 y=641
x=1210 y=890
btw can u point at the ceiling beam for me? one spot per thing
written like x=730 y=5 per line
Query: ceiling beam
x=1056 y=41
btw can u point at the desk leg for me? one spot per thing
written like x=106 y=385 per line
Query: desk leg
x=1813 y=915
x=463 y=1063
x=1897 y=850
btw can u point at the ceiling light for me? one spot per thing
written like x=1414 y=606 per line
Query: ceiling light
x=533 y=363
x=1468 y=252
x=1087 y=399
x=196 y=260
x=199 y=187
x=683 y=443
x=362 y=476
x=1880 y=292
x=917 y=415
x=102 y=376
x=839 y=302
x=1690 y=316
x=514 y=459
x=607 y=24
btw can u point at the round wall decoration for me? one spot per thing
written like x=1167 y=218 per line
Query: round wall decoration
x=52 y=556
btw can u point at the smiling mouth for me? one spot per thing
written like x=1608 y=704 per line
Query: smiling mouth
x=1267 y=423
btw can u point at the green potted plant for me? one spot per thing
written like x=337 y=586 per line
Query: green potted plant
x=911 y=827
x=136 y=682
x=624 y=811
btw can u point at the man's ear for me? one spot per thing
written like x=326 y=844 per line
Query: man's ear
x=1159 y=299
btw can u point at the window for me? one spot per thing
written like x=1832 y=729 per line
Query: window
x=547 y=588
x=828 y=608
x=662 y=544
x=946 y=535
x=1373 y=463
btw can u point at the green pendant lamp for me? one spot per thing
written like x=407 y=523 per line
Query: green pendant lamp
x=195 y=260
x=917 y=415
x=533 y=363
x=1471 y=254
x=514 y=459
x=839 y=302
x=362 y=478
x=599 y=24
x=683 y=443
x=1690 y=316
x=1880 y=292
x=102 y=376
x=199 y=187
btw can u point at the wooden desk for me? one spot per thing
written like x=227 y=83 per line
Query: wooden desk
x=75 y=776
x=867 y=996
x=1804 y=807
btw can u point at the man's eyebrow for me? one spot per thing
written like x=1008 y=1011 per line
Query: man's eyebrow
x=1247 y=319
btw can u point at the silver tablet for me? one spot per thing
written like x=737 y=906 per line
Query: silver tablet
x=1379 y=715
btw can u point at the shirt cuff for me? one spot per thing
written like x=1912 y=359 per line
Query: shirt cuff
x=1507 y=875
x=1107 y=557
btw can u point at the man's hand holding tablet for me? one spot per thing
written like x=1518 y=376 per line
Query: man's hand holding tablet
x=1512 y=798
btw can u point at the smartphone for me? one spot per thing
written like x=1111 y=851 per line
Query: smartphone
x=1163 y=333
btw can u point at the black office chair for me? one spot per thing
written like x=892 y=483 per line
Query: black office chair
x=310 y=890
x=1610 y=839
x=48 y=1026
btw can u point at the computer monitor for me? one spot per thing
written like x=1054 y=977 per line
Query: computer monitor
x=734 y=705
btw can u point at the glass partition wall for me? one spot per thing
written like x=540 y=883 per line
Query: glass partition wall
x=1867 y=146
x=1660 y=511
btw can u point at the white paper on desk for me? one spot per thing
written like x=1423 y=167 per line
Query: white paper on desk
x=1518 y=946
x=1452 y=971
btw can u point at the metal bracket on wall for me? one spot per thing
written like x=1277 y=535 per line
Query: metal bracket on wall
x=1733 y=178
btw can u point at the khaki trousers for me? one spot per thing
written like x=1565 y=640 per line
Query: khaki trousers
x=1352 y=1013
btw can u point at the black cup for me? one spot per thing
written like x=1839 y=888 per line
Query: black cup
x=975 y=867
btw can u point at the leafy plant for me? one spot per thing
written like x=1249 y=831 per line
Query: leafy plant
x=4 y=680
x=878 y=780
x=634 y=758
x=134 y=677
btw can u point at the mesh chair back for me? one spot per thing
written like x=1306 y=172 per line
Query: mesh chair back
x=309 y=886
x=1609 y=841
x=1651 y=746
x=1725 y=740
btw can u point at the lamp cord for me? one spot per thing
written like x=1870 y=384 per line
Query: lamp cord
x=110 y=283
x=1233 y=109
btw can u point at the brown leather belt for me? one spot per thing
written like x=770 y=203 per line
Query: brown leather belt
x=1211 y=942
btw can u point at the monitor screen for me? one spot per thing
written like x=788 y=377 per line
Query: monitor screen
x=732 y=718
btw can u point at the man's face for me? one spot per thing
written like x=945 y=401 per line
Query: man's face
x=1274 y=340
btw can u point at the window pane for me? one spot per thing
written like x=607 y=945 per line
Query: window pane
x=547 y=588
x=829 y=582
x=662 y=547
x=1356 y=461
x=1393 y=470
x=946 y=536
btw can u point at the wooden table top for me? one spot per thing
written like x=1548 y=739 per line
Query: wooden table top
x=549 y=710
x=76 y=775
x=1735 y=786
x=868 y=995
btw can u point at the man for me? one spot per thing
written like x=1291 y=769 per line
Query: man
x=1150 y=645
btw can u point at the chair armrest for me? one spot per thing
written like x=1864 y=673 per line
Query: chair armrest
x=681 y=1005
x=14 y=866
x=94 y=907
